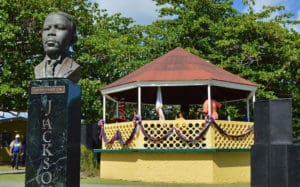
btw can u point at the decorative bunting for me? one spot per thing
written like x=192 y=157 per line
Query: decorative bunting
x=138 y=125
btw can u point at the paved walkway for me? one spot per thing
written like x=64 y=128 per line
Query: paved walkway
x=12 y=172
x=21 y=184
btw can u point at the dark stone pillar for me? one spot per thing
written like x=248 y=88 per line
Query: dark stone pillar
x=272 y=142
x=53 y=134
x=294 y=166
x=273 y=122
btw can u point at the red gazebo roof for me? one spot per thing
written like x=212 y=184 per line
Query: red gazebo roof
x=175 y=69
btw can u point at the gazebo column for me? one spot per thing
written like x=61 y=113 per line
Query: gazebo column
x=253 y=98
x=139 y=101
x=117 y=109
x=252 y=94
x=209 y=99
x=248 y=110
x=104 y=107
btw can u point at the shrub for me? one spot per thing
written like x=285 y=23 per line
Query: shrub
x=89 y=166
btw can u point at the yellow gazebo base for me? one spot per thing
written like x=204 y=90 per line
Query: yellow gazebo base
x=177 y=166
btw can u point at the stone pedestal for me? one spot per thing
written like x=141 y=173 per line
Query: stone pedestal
x=294 y=166
x=53 y=134
x=274 y=161
x=269 y=165
x=273 y=122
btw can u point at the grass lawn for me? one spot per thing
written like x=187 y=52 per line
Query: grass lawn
x=143 y=184
x=95 y=180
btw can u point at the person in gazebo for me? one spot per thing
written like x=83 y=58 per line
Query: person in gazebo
x=179 y=116
x=136 y=118
x=215 y=106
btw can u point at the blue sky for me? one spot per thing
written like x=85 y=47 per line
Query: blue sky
x=144 y=11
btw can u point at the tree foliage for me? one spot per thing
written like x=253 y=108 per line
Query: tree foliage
x=108 y=47
x=255 y=45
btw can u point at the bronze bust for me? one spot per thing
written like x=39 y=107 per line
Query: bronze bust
x=59 y=34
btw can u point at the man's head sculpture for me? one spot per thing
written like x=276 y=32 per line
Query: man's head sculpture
x=59 y=34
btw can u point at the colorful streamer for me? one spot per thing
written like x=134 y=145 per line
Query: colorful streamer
x=138 y=125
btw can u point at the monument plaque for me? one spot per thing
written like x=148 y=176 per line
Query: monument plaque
x=48 y=90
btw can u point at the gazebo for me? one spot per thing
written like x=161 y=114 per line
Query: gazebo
x=181 y=151
x=184 y=78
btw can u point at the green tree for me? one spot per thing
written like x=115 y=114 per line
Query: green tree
x=21 y=46
x=264 y=52
x=108 y=48
x=254 y=45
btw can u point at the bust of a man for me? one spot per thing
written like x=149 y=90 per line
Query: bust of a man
x=59 y=34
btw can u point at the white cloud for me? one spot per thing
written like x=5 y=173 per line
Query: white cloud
x=297 y=27
x=260 y=3
x=142 y=11
x=291 y=6
x=298 y=15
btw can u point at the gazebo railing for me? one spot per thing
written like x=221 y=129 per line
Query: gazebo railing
x=178 y=134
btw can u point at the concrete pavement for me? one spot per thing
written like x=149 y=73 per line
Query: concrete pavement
x=21 y=184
